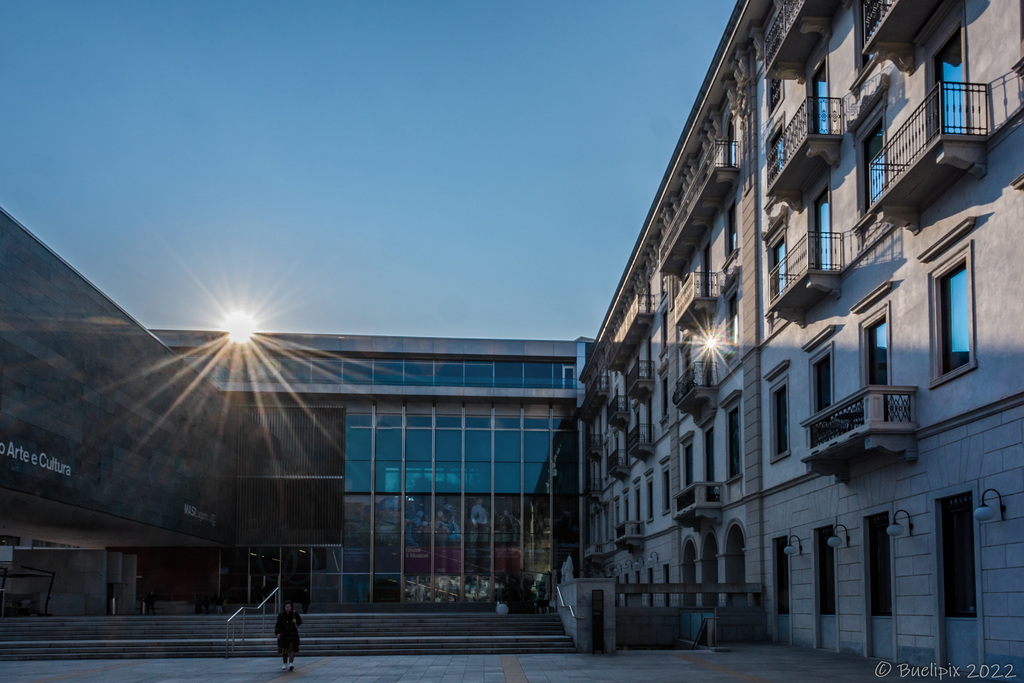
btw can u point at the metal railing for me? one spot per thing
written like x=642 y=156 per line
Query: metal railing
x=813 y=251
x=698 y=492
x=595 y=442
x=721 y=154
x=641 y=370
x=874 y=14
x=229 y=638
x=617 y=459
x=629 y=529
x=886 y=404
x=949 y=109
x=698 y=284
x=641 y=434
x=816 y=116
x=618 y=405
x=700 y=373
x=780 y=28
x=562 y=603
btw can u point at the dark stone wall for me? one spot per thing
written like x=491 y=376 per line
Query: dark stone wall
x=97 y=413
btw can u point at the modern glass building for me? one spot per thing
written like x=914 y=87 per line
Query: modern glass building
x=415 y=470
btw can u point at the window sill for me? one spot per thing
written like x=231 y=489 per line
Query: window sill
x=953 y=374
x=734 y=479
x=781 y=456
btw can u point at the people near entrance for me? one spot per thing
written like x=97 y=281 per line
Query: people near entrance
x=149 y=602
x=478 y=513
x=287 y=632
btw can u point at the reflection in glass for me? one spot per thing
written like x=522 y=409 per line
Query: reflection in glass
x=447 y=587
x=356 y=533
x=537 y=522
x=418 y=588
x=355 y=588
x=507 y=534
x=447 y=534
x=478 y=587
x=478 y=535
x=387 y=535
x=418 y=523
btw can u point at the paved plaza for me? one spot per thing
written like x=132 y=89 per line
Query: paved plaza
x=751 y=663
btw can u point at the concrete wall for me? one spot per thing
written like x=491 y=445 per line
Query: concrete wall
x=84 y=581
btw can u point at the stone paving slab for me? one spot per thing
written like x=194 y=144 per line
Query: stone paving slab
x=748 y=663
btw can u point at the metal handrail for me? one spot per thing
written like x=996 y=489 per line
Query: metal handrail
x=562 y=603
x=816 y=116
x=229 y=636
x=780 y=28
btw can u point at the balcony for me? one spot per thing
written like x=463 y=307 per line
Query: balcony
x=640 y=441
x=632 y=331
x=877 y=419
x=598 y=552
x=697 y=389
x=798 y=27
x=630 y=534
x=811 y=140
x=808 y=273
x=717 y=174
x=596 y=394
x=618 y=412
x=640 y=380
x=697 y=300
x=594 y=443
x=618 y=466
x=699 y=500
x=941 y=141
x=890 y=27
x=592 y=487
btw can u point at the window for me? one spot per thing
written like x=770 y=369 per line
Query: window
x=777 y=281
x=650 y=499
x=780 y=415
x=878 y=353
x=958 y=556
x=666 y=497
x=819 y=91
x=731 y=237
x=822 y=374
x=664 y=329
x=733 y=325
x=874 y=165
x=781 y=576
x=734 y=442
x=774 y=94
x=820 y=240
x=709 y=454
x=688 y=464
x=880 y=559
x=776 y=154
x=826 y=572
x=664 y=396
x=955 y=324
x=949 y=70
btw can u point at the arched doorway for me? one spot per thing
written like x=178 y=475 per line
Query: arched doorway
x=735 y=562
x=688 y=570
x=709 y=568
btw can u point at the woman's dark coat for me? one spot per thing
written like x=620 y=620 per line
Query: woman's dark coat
x=288 y=628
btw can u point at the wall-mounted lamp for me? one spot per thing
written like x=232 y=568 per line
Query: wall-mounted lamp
x=638 y=562
x=790 y=549
x=984 y=513
x=617 y=568
x=652 y=558
x=834 y=541
x=896 y=529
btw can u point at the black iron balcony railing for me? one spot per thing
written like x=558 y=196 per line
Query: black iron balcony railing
x=641 y=370
x=640 y=435
x=816 y=116
x=593 y=484
x=643 y=304
x=618 y=404
x=949 y=109
x=721 y=154
x=814 y=251
x=595 y=442
x=893 y=406
x=780 y=28
x=701 y=373
x=874 y=13
x=617 y=461
x=698 y=284
x=688 y=497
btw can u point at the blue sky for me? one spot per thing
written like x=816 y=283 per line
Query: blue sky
x=463 y=169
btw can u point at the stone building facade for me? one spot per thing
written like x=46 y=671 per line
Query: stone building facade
x=807 y=387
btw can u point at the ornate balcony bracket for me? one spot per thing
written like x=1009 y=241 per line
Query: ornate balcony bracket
x=791 y=199
x=901 y=216
x=900 y=54
x=967 y=156
x=789 y=71
x=819 y=25
x=827 y=149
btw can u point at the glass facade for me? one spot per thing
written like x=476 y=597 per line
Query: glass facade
x=439 y=504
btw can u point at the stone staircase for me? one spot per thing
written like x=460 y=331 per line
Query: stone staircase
x=142 y=637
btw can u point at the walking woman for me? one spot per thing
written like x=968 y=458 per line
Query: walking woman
x=287 y=632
